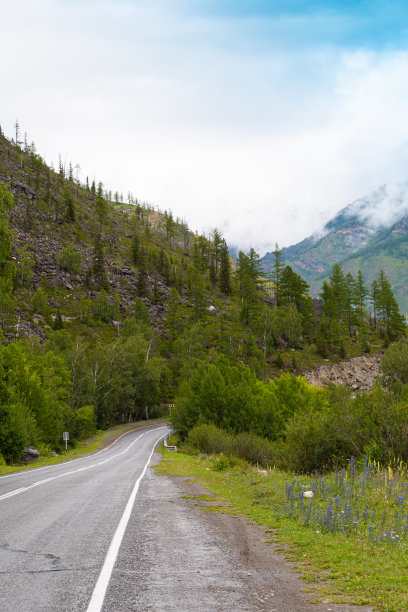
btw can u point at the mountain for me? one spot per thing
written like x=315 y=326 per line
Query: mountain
x=369 y=234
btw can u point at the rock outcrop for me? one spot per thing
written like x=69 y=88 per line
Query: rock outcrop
x=358 y=373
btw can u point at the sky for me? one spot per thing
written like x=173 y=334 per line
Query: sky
x=262 y=118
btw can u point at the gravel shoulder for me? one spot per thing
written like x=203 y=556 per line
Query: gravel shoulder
x=178 y=556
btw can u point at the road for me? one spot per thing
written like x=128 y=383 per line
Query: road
x=104 y=533
x=57 y=524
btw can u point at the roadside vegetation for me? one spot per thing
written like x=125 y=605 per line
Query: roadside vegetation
x=349 y=540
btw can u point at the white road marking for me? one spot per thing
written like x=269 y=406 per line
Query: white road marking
x=82 y=469
x=99 y=592
x=56 y=465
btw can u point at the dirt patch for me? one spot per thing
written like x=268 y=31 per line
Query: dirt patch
x=268 y=581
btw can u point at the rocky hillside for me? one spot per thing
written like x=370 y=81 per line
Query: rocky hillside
x=369 y=234
x=358 y=373
x=54 y=212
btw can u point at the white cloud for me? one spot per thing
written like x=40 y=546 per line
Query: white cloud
x=200 y=116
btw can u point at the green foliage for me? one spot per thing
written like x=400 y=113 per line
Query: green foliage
x=69 y=205
x=35 y=384
x=85 y=421
x=40 y=303
x=232 y=398
x=24 y=267
x=70 y=259
x=7 y=267
x=394 y=364
x=103 y=308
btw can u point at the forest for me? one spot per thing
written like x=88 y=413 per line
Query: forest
x=110 y=310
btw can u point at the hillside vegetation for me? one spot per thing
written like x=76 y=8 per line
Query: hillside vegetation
x=109 y=311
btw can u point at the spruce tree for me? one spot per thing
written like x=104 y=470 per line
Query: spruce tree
x=225 y=269
x=276 y=272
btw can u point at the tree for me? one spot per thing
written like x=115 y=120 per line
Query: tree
x=276 y=272
x=196 y=291
x=170 y=226
x=225 y=269
x=388 y=309
x=248 y=276
x=216 y=249
x=70 y=259
x=101 y=205
x=360 y=294
x=68 y=202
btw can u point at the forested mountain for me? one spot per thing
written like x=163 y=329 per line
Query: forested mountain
x=111 y=310
x=369 y=234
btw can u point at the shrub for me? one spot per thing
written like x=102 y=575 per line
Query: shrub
x=210 y=439
x=40 y=304
x=70 y=259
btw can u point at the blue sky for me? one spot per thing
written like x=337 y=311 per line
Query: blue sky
x=260 y=118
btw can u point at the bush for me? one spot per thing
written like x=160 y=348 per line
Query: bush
x=210 y=439
x=70 y=259
x=221 y=464
x=254 y=449
x=40 y=304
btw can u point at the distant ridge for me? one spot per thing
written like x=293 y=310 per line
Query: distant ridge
x=369 y=234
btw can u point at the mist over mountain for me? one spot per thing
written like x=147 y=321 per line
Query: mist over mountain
x=370 y=234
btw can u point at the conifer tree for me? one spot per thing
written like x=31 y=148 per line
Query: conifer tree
x=225 y=269
x=101 y=206
x=68 y=203
x=360 y=294
x=276 y=272
x=388 y=308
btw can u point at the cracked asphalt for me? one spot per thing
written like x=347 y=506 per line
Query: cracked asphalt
x=56 y=526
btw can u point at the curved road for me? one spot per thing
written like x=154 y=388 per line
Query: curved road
x=81 y=537
x=58 y=523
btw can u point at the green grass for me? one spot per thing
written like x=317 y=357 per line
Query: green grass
x=341 y=569
x=81 y=448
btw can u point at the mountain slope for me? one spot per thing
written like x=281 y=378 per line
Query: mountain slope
x=369 y=234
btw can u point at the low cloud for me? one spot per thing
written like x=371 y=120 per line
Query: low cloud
x=197 y=114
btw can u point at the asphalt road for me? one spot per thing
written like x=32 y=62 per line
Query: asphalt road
x=104 y=533
x=57 y=524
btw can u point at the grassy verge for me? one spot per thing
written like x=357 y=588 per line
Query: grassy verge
x=343 y=567
x=80 y=448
